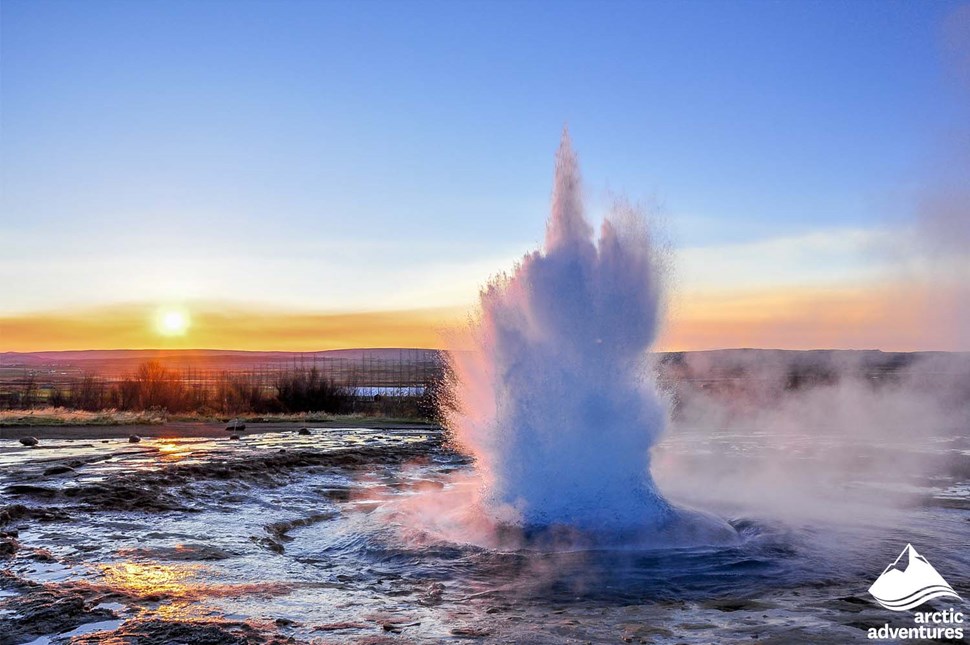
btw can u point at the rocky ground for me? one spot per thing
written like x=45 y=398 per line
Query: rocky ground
x=283 y=537
x=63 y=489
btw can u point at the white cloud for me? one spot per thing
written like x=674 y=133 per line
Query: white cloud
x=833 y=256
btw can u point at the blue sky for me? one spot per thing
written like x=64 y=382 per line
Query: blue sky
x=372 y=143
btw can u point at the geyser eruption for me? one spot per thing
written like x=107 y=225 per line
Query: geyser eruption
x=554 y=401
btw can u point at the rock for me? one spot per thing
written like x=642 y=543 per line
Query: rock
x=396 y=625
x=236 y=425
x=134 y=439
x=183 y=553
x=29 y=489
x=15 y=512
x=304 y=431
x=59 y=470
x=28 y=441
x=432 y=594
x=234 y=437
x=51 y=609
x=8 y=546
x=42 y=555
x=333 y=627
x=268 y=543
x=158 y=631
x=279 y=530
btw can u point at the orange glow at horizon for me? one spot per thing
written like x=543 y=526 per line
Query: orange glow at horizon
x=894 y=317
x=891 y=317
x=214 y=327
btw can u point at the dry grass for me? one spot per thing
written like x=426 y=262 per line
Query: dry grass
x=66 y=417
x=300 y=417
x=296 y=417
x=51 y=416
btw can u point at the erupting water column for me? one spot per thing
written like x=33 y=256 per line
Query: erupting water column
x=554 y=400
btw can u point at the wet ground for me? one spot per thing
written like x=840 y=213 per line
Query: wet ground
x=289 y=538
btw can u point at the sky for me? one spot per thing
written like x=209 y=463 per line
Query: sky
x=310 y=175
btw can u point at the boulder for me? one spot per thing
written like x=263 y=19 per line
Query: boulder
x=28 y=441
x=60 y=469
x=304 y=431
x=134 y=439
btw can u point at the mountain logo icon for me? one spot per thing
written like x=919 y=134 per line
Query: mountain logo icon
x=909 y=582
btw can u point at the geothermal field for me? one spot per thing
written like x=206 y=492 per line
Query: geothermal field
x=577 y=488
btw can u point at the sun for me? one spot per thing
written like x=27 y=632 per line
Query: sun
x=172 y=322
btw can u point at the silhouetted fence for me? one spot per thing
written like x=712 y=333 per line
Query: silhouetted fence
x=399 y=387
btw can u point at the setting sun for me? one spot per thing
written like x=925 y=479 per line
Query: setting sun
x=172 y=322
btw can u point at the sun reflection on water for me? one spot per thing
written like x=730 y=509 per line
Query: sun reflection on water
x=176 y=582
x=146 y=580
x=173 y=451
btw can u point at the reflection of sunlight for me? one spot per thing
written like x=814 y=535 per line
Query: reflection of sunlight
x=177 y=584
x=150 y=579
x=169 y=450
x=178 y=610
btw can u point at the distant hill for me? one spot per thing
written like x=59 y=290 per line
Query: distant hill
x=118 y=361
x=131 y=354
x=745 y=377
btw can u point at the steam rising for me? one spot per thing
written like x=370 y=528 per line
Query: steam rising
x=559 y=407
x=838 y=436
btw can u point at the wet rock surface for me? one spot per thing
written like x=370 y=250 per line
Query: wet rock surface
x=137 y=583
x=304 y=539
x=14 y=512
x=45 y=609
x=60 y=469
x=157 y=491
x=8 y=545
x=200 y=632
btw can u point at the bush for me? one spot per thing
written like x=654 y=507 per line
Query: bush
x=308 y=391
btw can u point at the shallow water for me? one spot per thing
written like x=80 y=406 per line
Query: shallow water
x=295 y=546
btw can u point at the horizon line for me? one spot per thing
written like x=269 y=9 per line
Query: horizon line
x=443 y=349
